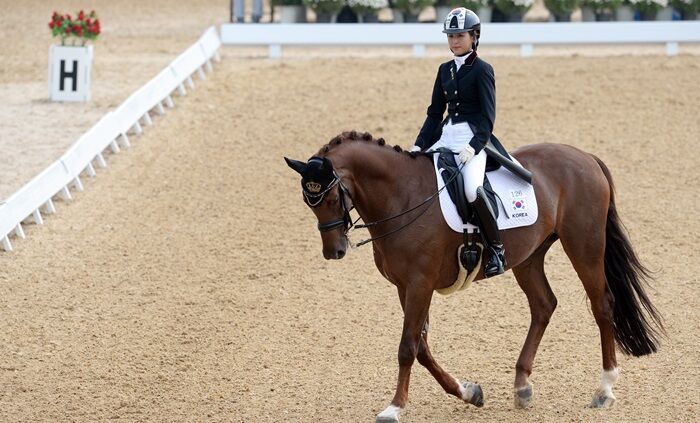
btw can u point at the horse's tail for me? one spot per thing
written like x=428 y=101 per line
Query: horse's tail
x=635 y=332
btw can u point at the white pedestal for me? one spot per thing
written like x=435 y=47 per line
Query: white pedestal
x=624 y=13
x=292 y=14
x=69 y=73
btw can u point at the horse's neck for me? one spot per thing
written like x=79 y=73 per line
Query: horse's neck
x=385 y=182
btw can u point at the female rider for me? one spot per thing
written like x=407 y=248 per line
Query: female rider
x=466 y=87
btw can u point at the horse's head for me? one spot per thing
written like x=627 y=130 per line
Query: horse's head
x=330 y=201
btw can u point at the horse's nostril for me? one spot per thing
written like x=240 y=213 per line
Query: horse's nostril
x=340 y=254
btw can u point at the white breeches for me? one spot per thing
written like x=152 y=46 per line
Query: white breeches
x=455 y=138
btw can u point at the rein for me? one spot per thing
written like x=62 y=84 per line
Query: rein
x=349 y=224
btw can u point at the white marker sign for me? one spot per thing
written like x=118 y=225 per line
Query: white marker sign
x=69 y=72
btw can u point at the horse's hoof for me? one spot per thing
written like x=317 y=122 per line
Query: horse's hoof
x=602 y=400
x=523 y=396
x=389 y=415
x=472 y=393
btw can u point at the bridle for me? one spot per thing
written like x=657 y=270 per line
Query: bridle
x=313 y=200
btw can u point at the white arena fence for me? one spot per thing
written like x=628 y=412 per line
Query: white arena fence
x=37 y=196
x=525 y=35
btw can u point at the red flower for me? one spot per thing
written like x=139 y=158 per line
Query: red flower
x=85 y=26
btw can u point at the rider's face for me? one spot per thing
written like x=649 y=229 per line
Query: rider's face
x=460 y=43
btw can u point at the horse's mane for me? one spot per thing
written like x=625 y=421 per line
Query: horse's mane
x=354 y=136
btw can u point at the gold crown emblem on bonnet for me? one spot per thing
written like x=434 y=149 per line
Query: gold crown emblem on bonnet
x=313 y=187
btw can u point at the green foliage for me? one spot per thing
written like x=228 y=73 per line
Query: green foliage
x=412 y=6
x=472 y=5
x=600 y=6
x=561 y=7
x=686 y=6
x=514 y=6
x=324 y=6
x=285 y=2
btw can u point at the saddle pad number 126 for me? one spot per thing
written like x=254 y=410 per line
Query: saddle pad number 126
x=518 y=199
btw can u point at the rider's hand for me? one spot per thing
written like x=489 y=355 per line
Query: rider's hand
x=466 y=154
x=414 y=149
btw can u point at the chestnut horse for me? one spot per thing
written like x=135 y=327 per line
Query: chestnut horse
x=416 y=251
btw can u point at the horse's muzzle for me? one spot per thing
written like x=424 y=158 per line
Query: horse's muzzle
x=334 y=255
x=337 y=250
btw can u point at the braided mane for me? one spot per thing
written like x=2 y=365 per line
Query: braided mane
x=354 y=136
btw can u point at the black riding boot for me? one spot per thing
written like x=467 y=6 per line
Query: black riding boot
x=489 y=233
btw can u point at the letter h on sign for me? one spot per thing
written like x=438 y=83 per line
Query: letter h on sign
x=69 y=73
x=63 y=75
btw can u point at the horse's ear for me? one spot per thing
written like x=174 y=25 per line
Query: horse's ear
x=299 y=167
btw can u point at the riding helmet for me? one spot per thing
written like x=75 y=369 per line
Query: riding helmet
x=460 y=20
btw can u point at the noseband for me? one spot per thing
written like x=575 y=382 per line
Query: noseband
x=314 y=200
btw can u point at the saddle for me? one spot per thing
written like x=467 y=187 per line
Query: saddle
x=455 y=187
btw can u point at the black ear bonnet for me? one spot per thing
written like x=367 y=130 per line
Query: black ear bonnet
x=318 y=176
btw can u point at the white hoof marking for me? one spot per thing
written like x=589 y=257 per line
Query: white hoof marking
x=603 y=396
x=390 y=414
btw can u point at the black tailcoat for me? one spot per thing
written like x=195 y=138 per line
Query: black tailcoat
x=469 y=95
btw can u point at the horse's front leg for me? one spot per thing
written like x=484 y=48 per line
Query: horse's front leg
x=416 y=303
x=468 y=391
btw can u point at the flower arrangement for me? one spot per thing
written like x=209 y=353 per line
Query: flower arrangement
x=561 y=7
x=514 y=6
x=286 y=2
x=367 y=6
x=600 y=6
x=648 y=7
x=686 y=6
x=411 y=6
x=325 y=6
x=85 y=27
x=473 y=5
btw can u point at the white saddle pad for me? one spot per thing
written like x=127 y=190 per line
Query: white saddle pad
x=518 y=199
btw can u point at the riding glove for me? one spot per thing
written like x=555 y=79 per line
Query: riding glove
x=415 y=148
x=466 y=154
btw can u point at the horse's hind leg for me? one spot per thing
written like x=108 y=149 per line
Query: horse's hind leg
x=587 y=257
x=467 y=391
x=532 y=280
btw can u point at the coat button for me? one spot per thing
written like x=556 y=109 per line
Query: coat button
x=456 y=114
x=455 y=92
x=458 y=103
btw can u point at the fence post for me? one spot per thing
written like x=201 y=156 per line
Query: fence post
x=275 y=51
x=6 y=243
x=672 y=49
x=419 y=50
